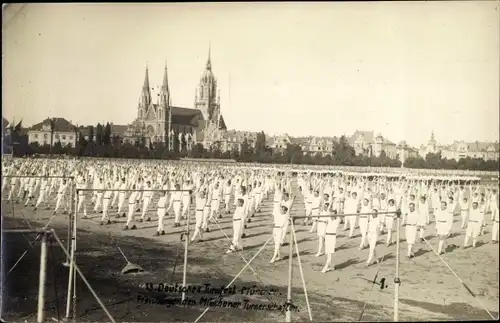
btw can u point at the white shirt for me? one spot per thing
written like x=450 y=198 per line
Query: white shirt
x=332 y=225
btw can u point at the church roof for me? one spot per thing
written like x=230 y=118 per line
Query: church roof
x=185 y=116
x=60 y=125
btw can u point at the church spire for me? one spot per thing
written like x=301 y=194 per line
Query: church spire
x=209 y=62
x=165 y=93
x=165 y=77
x=146 y=91
x=146 y=78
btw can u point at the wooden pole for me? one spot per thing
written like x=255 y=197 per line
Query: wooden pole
x=71 y=281
x=397 y=282
x=186 y=244
x=43 y=271
x=288 y=313
x=70 y=223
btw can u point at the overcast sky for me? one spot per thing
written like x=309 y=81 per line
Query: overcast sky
x=401 y=69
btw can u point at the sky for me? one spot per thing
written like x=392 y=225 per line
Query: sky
x=402 y=69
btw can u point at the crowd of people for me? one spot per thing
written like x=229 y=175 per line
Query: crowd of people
x=333 y=202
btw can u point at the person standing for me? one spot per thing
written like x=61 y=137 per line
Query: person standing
x=315 y=209
x=237 y=226
x=332 y=225
x=423 y=216
x=99 y=194
x=199 y=211
x=61 y=197
x=351 y=208
x=121 y=197
x=286 y=201
x=322 y=223
x=389 y=220
x=162 y=206
x=186 y=197
x=81 y=184
x=363 y=222
x=227 y=195
x=414 y=219
x=372 y=235
x=106 y=203
x=215 y=201
x=279 y=223
x=475 y=220
x=132 y=200
x=42 y=195
x=146 y=199
x=443 y=226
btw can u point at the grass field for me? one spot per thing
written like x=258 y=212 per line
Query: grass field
x=429 y=291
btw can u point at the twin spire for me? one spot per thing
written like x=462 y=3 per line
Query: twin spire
x=146 y=90
x=164 y=94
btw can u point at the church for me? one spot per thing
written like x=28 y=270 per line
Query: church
x=179 y=128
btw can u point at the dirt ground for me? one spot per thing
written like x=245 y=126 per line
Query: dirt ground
x=428 y=291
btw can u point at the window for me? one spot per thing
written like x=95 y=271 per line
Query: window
x=35 y=135
x=63 y=137
x=70 y=137
x=45 y=136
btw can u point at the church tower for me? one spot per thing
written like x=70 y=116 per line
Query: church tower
x=206 y=94
x=164 y=107
x=145 y=98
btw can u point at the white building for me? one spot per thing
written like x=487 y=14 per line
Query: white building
x=53 y=130
x=461 y=149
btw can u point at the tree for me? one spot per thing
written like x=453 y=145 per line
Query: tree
x=91 y=134
x=197 y=151
x=260 y=144
x=99 y=134
x=343 y=153
x=293 y=154
x=52 y=129
x=245 y=150
x=81 y=144
x=106 y=136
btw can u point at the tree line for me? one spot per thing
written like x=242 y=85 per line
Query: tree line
x=102 y=143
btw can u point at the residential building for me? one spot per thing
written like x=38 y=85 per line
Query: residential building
x=53 y=130
x=462 y=149
x=278 y=142
x=367 y=144
x=383 y=144
x=361 y=141
x=403 y=151
x=233 y=139
x=313 y=145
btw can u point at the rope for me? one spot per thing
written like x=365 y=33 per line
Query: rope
x=460 y=280
x=300 y=268
x=242 y=257
x=371 y=289
x=31 y=245
x=237 y=275
x=84 y=279
x=177 y=257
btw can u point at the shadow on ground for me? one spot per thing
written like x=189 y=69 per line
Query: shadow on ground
x=101 y=263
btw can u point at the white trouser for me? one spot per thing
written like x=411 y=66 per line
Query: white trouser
x=161 y=215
